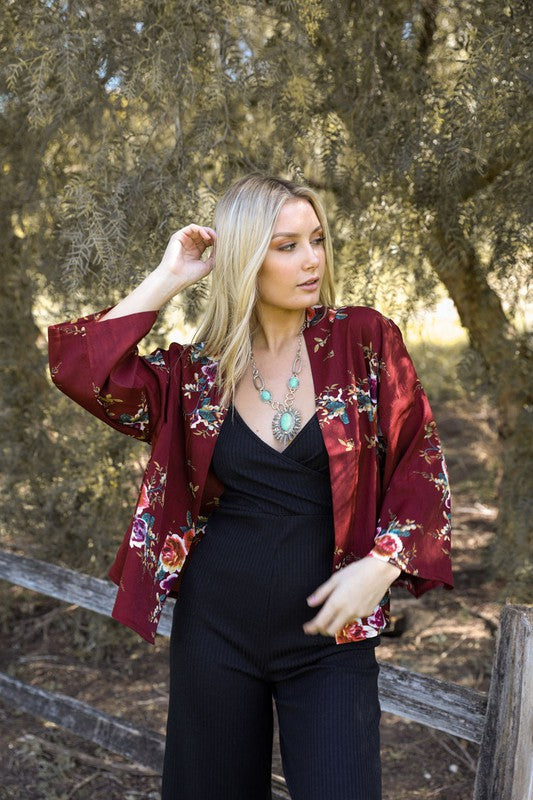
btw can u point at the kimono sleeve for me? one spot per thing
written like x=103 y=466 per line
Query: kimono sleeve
x=96 y=363
x=414 y=526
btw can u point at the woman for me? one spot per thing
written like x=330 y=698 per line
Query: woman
x=295 y=474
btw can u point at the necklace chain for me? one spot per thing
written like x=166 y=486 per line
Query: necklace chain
x=287 y=420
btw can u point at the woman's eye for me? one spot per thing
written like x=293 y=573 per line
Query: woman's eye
x=288 y=247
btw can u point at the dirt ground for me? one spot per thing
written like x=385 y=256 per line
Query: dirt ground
x=449 y=635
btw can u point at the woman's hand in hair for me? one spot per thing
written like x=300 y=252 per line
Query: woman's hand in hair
x=180 y=266
x=183 y=256
x=353 y=591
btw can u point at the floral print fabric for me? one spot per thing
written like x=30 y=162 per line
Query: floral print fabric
x=388 y=475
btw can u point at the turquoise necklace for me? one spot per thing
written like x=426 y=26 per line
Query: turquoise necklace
x=287 y=420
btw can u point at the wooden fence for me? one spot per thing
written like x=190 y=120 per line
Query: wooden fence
x=500 y=722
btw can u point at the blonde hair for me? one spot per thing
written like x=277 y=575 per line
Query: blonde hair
x=244 y=221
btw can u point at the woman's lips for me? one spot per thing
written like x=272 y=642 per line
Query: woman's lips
x=309 y=285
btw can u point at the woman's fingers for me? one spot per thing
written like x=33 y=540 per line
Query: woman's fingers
x=195 y=238
x=342 y=600
x=329 y=619
x=185 y=250
x=210 y=261
x=351 y=592
x=196 y=231
x=323 y=621
x=322 y=591
x=327 y=625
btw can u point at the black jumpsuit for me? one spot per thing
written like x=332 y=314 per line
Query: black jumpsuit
x=237 y=639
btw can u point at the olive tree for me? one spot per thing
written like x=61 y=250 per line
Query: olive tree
x=123 y=121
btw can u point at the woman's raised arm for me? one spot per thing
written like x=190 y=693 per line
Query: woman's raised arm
x=181 y=266
x=98 y=365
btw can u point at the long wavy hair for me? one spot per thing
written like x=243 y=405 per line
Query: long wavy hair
x=244 y=221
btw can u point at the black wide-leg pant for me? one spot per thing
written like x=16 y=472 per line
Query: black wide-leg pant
x=232 y=653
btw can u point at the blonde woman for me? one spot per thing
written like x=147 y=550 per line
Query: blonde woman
x=295 y=474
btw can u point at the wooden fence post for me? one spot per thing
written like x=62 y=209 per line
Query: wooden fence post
x=505 y=765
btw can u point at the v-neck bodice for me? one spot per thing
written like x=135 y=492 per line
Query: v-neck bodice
x=296 y=452
x=258 y=478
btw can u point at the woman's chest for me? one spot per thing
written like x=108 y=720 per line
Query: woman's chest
x=266 y=418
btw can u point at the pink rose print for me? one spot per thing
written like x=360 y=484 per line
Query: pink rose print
x=173 y=553
x=388 y=544
x=351 y=631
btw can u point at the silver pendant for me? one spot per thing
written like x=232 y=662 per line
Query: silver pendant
x=286 y=424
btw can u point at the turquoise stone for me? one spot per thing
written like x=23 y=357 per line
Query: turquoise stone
x=265 y=395
x=293 y=382
x=286 y=422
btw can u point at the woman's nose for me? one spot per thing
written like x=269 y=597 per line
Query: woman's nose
x=312 y=257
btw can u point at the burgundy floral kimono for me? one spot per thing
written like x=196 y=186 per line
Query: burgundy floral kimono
x=388 y=476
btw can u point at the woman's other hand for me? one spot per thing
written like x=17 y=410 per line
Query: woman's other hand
x=353 y=591
x=183 y=256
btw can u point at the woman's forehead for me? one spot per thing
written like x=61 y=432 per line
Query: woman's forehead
x=297 y=211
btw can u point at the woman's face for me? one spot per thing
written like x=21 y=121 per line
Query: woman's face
x=291 y=274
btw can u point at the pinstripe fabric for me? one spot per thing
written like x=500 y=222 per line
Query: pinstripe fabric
x=237 y=640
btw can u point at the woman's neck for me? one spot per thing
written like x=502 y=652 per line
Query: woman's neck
x=277 y=329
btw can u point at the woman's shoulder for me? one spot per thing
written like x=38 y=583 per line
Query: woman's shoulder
x=191 y=356
x=364 y=320
x=175 y=353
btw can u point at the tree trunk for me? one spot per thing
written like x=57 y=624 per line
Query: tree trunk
x=512 y=548
x=506 y=358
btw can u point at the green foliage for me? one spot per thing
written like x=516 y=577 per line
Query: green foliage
x=397 y=112
x=123 y=121
x=74 y=508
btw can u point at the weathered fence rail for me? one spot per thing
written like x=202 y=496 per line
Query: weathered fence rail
x=502 y=723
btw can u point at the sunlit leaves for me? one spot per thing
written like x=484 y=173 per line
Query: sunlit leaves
x=146 y=111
